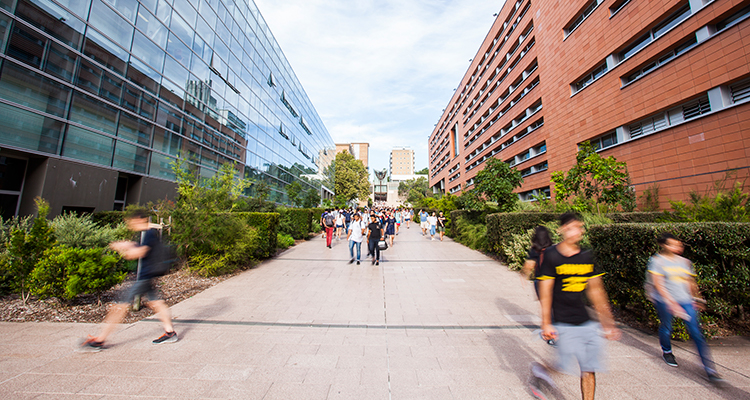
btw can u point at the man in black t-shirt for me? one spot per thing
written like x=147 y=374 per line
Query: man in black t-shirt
x=374 y=234
x=150 y=252
x=566 y=273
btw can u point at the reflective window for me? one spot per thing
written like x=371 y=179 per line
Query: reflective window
x=143 y=76
x=127 y=8
x=60 y=62
x=164 y=12
x=166 y=141
x=87 y=146
x=110 y=24
x=52 y=19
x=90 y=111
x=4 y=26
x=147 y=51
x=178 y=50
x=7 y=4
x=23 y=86
x=130 y=157
x=153 y=29
x=134 y=129
x=26 y=45
x=186 y=11
x=161 y=166
x=182 y=29
x=105 y=52
x=28 y=130
x=79 y=7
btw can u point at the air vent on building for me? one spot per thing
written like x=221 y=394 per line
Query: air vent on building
x=740 y=91
x=696 y=108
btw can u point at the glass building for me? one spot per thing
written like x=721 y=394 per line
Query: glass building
x=98 y=98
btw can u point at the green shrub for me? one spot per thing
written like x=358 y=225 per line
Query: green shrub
x=719 y=251
x=267 y=226
x=284 y=241
x=210 y=264
x=643 y=217
x=10 y=225
x=90 y=271
x=81 y=231
x=471 y=235
x=517 y=248
x=295 y=222
x=108 y=218
x=243 y=251
x=502 y=226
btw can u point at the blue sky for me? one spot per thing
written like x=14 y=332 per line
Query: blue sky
x=380 y=71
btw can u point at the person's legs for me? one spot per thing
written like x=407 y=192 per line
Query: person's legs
x=695 y=333
x=162 y=311
x=588 y=385
x=371 y=246
x=359 y=247
x=377 y=252
x=329 y=236
x=114 y=317
x=665 y=326
x=351 y=249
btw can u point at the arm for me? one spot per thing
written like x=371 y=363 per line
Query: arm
x=598 y=296
x=698 y=302
x=545 y=299
x=129 y=250
x=528 y=266
x=674 y=308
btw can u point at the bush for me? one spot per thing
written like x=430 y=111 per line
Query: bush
x=643 y=217
x=10 y=225
x=66 y=272
x=108 y=218
x=719 y=251
x=471 y=235
x=210 y=264
x=517 y=248
x=72 y=230
x=295 y=222
x=284 y=241
x=267 y=226
x=502 y=226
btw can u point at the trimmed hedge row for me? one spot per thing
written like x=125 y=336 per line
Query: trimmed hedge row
x=267 y=226
x=642 y=217
x=720 y=252
x=299 y=220
x=473 y=217
x=315 y=222
x=501 y=227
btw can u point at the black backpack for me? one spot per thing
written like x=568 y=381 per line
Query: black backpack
x=165 y=258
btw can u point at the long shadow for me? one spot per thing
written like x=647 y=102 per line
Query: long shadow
x=205 y=312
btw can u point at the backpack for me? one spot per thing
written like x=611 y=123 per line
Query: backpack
x=164 y=259
x=329 y=220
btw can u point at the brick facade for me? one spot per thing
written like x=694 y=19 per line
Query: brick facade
x=694 y=89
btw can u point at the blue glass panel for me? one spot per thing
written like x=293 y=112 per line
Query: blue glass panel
x=130 y=157
x=87 y=146
x=147 y=51
x=24 y=129
x=182 y=29
x=111 y=24
x=152 y=28
x=178 y=50
x=161 y=166
x=92 y=112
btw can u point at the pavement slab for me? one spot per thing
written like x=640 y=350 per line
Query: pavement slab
x=435 y=320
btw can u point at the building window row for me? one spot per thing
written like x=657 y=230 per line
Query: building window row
x=455 y=168
x=532 y=195
x=699 y=36
x=528 y=154
x=487 y=85
x=466 y=91
x=589 y=77
x=520 y=119
x=454 y=177
x=534 y=169
x=520 y=135
x=502 y=112
x=587 y=10
x=455 y=189
x=617 y=6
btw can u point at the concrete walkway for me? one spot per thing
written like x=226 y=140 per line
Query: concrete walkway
x=435 y=320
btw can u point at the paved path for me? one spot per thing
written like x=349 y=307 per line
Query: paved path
x=433 y=321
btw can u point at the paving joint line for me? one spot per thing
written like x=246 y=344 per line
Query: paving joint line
x=346 y=326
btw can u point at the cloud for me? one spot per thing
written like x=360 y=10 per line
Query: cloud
x=380 y=71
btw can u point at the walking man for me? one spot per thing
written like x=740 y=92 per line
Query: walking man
x=355 y=236
x=670 y=284
x=329 y=221
x=441 y=225
x=374 y=233
x=566 y=272
x=149 y=251
x=423 y=221
x=432 y=222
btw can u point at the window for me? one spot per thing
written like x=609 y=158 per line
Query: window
x=696 y=108
x=732 y=19
x=665 y=25
x=661 y=60
x=615 y=8
x=590 y=77
x=587 y=10
x=740 y=91
x=87 y=146
x=604 y=141
x=28 y=130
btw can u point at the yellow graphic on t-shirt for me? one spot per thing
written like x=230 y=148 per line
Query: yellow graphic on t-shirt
x=677 y=274
x=574 y=283
x=575 y=269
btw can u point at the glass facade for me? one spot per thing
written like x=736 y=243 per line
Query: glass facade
x=131 y=85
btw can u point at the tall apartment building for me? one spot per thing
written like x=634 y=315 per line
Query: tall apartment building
x=360 y=151
x=99 y=97
x=661 y=85
x=402 y=161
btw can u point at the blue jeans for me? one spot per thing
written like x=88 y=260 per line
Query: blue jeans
x=665 y=332
x=432 y=230
x=352 y=245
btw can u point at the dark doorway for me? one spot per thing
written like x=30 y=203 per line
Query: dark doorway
x=12 y=174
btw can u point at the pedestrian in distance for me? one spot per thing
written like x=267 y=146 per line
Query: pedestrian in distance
x=539 y=241
x=566 y=273
x=356 y=233
x=374 y=233
x=407 y=217
x=432 y=222
x=339 y=225
x=441 y=225
x=423 y=221
x=390 y=227
x=329 y=222
x=398 y=220
x=670 y=285
x=152 y=255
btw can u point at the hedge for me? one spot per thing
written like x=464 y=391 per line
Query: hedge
x=642 y=217
x=315 y=223
x=501 y=227
x=298 y=220
x=474 y=217
x=720 y=252
x=267 y=225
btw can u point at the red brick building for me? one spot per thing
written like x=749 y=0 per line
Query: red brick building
x=661 y=85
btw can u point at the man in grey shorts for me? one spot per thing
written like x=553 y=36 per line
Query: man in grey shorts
x=566 y=272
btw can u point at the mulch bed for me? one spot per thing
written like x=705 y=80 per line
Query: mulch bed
x=175 y=287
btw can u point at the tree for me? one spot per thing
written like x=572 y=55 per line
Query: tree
x=293 y=191
x=424 y=171
x=350 y=179
x=593 y=178
x=311 y=198
x=496 y=182
x=415 y=190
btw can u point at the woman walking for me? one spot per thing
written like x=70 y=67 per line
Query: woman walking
x=390 y=227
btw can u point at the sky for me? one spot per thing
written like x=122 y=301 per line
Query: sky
x=380 y=71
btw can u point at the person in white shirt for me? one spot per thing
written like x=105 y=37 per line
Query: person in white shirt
x=339 y=225
x=355 y=236
x=432 y=220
